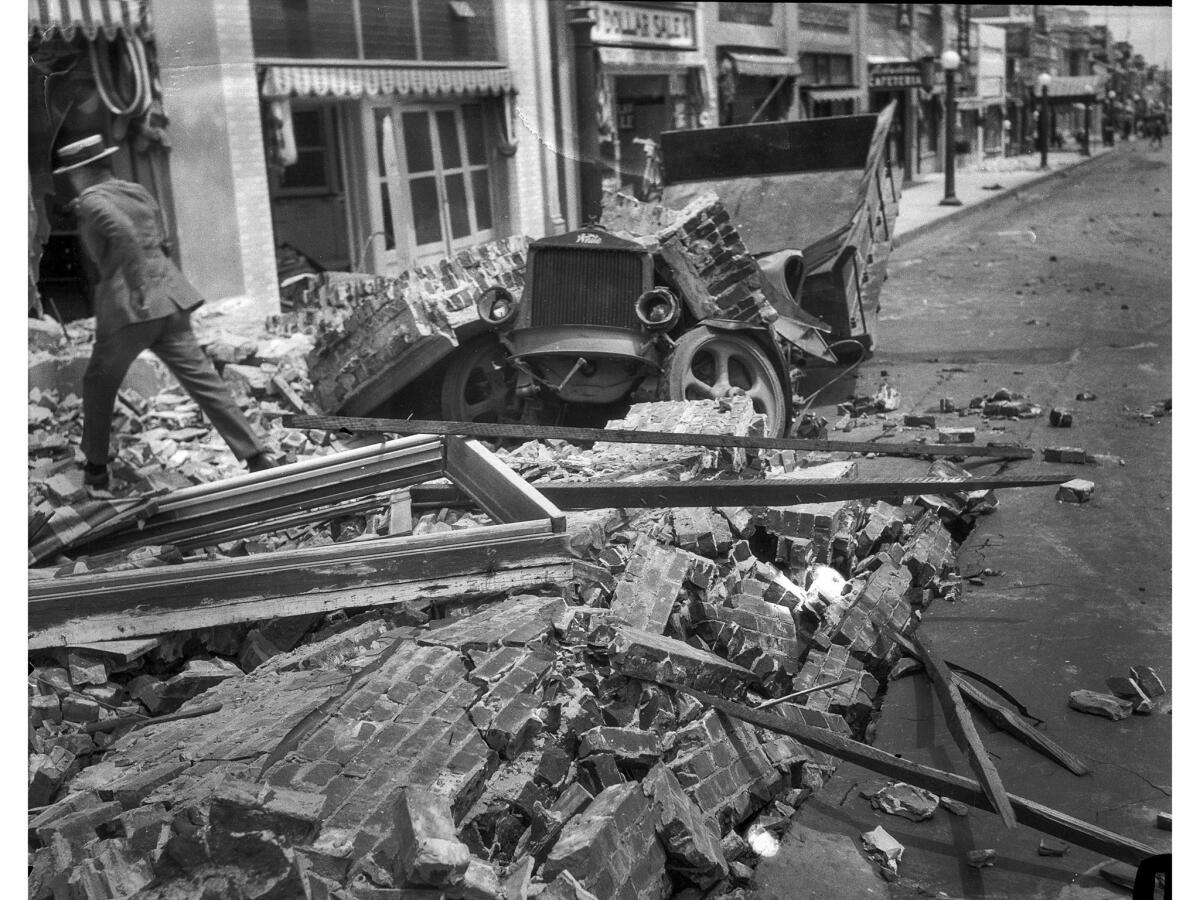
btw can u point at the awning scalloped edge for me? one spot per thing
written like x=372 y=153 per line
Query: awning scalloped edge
x=91 y=18
x=359 y=81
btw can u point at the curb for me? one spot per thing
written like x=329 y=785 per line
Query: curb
x=921 y=230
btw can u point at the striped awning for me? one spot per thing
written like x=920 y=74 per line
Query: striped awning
x=1073 y=87
x=91 y=18
x=833 y=93
x=765 y=65
x=357 y=81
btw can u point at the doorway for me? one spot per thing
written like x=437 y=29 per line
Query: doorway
x=643 y=113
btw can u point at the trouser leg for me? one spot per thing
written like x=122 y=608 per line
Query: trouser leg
x=112 y=356
x=178 y=349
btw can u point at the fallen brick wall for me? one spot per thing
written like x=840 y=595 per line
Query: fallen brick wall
x=513 y=747
x=382 y=317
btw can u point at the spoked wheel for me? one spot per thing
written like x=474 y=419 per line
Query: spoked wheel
x=479 y=386
x=711 y=365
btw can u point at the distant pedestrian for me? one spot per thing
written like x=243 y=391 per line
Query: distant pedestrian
x=142 y=302
x=1156 y=133
x=1127 y=128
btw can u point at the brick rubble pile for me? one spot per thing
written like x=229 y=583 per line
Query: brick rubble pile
x=521 y=747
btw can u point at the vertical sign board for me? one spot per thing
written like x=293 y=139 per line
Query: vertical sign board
x=640 y=26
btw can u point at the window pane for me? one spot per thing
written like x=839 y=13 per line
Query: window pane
x=306 y=127
x=840 y=69
x=456 y=197
x=448 y=135
x=445 y=35
x=379 y=116
x=307 y=172
x=388 y=227
x=473 y=124
x=387 y=29
x=304 y=29
x=482 y=186
x=427 y=220
x=416 y=141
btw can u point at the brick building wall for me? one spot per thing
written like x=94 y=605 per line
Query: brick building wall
x=218 y=172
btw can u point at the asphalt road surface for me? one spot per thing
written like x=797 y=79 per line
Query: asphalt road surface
x=1063 y=289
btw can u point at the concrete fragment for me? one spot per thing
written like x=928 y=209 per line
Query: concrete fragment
x=1051 y=847
x=639 y=654
x=47 y=772
x=956 y=435
x=86 y=668
x=955 y=807
x=1101 y=704
x=1119 y=873
x=429 y=849
x=565 y=887
x=480 y=882
x=1065 y=455
x=628 y=745
x=884 y=848
x=900 y=799
x=1060 y=418
x=1148 y=680
x=647 y=589
x=916 y=420
x=978 y=859
x=1077 y=490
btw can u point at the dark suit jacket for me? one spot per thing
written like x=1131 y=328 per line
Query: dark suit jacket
x=122 y=231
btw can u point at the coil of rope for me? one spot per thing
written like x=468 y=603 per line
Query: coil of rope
x=136 y=54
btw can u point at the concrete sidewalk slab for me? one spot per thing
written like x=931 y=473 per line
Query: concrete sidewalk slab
x=920 y=209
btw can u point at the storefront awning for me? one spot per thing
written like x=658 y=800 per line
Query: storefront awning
x=765 y=65
x=833 y=93
x=68 y=18
x=1074 y=87
x=642 y=60
x=281 y=81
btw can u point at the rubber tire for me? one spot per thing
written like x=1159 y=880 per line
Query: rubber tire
x=747 y=351
x=469 y=368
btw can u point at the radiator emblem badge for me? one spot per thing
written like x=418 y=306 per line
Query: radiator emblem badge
x=586 y=238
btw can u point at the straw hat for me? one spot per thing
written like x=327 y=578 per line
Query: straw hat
x=82 y=153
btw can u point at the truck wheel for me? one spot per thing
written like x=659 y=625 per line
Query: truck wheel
x=479 y=386
x=707 y=364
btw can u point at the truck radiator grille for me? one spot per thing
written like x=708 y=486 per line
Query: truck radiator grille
x=584 y=287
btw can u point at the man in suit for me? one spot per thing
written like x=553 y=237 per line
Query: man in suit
x=142 y=302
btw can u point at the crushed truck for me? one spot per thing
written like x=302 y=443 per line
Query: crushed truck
x=768 y=250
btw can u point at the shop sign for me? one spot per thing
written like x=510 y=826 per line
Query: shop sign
x=640 y=26
x=823 y=18
x=894 y=75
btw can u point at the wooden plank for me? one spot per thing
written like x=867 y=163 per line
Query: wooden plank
x=765 y=492
x=281 y=523
x=491 y=431
x=263 y=514
x=501 y=492
x=119 y=605
x=1010 y=721
x=947 y=784
x=959 y=721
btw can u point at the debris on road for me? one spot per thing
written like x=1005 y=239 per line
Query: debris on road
x=900 y=799
x=979 y=859
x=1101 y=704
x=1077 y=490
x=1061 y=418
x=884 y=848
x=1047 y=847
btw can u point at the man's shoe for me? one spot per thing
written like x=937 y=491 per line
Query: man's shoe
x=95 y=475
x=260 y=462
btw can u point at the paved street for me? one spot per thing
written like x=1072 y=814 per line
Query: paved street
x=1062 y=290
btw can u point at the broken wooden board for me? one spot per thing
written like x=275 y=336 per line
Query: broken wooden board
x=596 y=494
x=1010 y=721
x=947 y=784
x=351 y=424
x=498 y=490
x=959 y=721
x=122 y=605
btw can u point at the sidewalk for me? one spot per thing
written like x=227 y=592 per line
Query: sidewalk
x=919 y=209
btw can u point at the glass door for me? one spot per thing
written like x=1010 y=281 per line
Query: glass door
x=443 y=181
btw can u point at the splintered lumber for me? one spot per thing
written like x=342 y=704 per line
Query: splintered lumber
x=960 y=723
x=352 y=424
x=120 y=605
x=1010 y=721
x=499 y=491
x=767 y=492
x=257 y=502
x=1028 y=812
x=124 y=721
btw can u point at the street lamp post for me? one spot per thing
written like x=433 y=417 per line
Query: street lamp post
x=1044 y=80
x=1086 y=149
x=950 y=61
